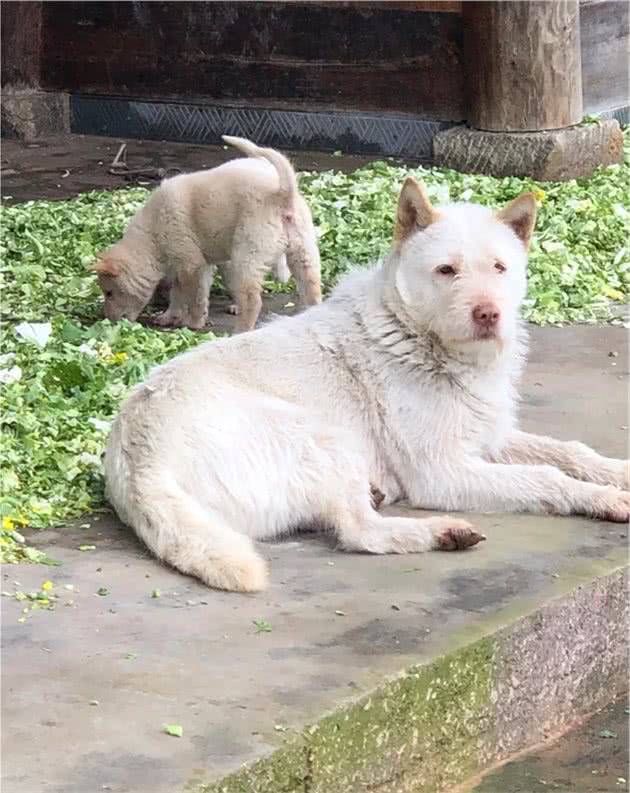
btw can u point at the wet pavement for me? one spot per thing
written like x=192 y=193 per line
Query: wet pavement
x=593 y=758
x=57 y=168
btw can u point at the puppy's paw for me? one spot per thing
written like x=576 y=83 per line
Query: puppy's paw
x=165 y=320
x=232 y=309
x=456 y=535
x=197 y=324
x=611 y=504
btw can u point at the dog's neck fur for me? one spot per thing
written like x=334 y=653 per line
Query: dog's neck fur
x=383 y=324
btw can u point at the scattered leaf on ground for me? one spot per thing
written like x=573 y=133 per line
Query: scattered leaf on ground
x=174 y=729
x=262 y=626
x=607 y=734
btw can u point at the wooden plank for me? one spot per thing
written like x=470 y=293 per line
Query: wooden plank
x=267 y=52
x=605 y=33
x=523 y=64
x=21 y=31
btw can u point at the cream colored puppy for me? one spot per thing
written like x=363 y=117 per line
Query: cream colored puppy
x=245 y=218
x=404 y=378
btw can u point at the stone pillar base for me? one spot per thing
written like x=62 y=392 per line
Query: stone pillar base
x=555 y=156
x=29 y=114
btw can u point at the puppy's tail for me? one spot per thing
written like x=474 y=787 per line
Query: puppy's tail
x=288 y=180
x=197 y=541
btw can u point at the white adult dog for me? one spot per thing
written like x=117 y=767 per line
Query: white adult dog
x=404 y=378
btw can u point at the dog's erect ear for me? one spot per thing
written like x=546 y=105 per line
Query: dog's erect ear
x=105 y=265
x=414 y=210
x=520 y=216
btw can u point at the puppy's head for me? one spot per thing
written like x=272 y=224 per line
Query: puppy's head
x=460 y=270
x=125 y=295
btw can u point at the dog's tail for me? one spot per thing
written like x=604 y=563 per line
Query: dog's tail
x=199 y=543
x=288 y=180
x=178 y=529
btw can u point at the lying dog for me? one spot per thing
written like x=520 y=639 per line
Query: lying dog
x=245 y=218
x=402 y=383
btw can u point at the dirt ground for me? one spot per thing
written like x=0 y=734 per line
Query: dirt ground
x=58 y=168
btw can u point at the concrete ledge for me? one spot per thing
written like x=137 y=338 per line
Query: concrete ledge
x=554 y=156
x=440 y=724
x=391 y=674
x=28 y=114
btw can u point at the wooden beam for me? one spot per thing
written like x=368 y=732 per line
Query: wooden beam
x=21 y=32
x=523 y=64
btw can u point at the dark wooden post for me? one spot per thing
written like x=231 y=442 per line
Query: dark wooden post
x=523 y=64
x=21 y=43
x=28 y=112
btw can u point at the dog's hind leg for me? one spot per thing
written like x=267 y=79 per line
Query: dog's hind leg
x=359 y=529
x=349 y=510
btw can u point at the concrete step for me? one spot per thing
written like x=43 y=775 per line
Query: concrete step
x=382 y=674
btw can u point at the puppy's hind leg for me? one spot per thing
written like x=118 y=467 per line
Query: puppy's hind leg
x=245 y=283
x=248 y=295
x=304 y=263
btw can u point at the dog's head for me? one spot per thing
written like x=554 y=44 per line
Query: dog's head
x=124 y=295
x=460 y=270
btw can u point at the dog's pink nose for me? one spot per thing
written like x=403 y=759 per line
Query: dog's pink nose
x=486 y=315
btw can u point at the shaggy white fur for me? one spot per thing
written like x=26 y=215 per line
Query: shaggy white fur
x=404 y=379
x=244 y=218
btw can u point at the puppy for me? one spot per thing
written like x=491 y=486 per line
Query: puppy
x=245 y=218
x=403 y=382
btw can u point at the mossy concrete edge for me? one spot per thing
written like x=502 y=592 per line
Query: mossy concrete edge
x=439 y=723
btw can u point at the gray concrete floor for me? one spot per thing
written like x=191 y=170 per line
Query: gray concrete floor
x=87 y=686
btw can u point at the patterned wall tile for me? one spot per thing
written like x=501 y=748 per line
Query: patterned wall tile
x=355 y=133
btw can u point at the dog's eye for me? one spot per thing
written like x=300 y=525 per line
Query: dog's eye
x=109 y=293
x=499 y=267
x=446 y=269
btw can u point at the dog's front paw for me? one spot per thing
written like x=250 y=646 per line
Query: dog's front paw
x=621 y=474
x=611 y=504
x=611 y=472
x=456 y=535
